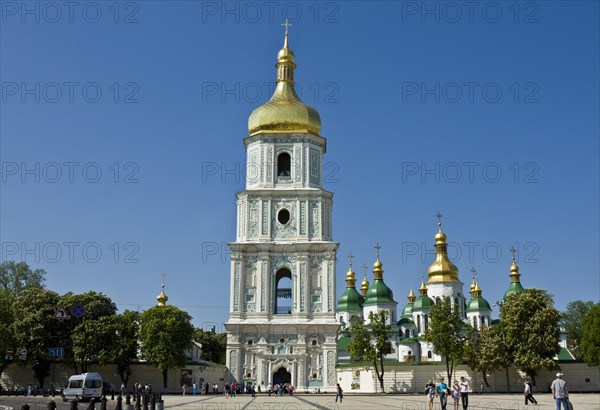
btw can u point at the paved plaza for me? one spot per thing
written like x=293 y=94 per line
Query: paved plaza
x=326 y=401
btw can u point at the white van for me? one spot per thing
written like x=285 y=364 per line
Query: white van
x=83 y=387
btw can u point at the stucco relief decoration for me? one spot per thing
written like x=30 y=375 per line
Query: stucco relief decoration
x=253 y=219
x=289 y=229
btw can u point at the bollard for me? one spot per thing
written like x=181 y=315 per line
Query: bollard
x=160 y=405
x=153 y=402
x=25 y=407
x=145 y=401
x=112 y=395
x=51 y=405
x=138 y=403
x=74 y=404
x=103 y=401
x=92 y=405
x=119 y=402
x=128 y=405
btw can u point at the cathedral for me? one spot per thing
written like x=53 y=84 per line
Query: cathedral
x=285 y=325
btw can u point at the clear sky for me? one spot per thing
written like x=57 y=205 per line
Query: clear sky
x=122 y=128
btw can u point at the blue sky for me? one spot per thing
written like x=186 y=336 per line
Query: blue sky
x=122 y=131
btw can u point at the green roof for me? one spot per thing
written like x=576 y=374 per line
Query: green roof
x=515 y=287
x=408 y=340
x=423 y=302
x=405 y=321
x=343 y=342
x=478 y=304
x=564 y=354
x=350 y=300
x=407 y=311
x=379 y=292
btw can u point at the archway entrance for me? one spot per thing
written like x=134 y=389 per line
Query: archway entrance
x=282 y=376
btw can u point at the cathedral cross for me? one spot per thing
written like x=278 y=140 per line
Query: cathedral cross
x=513 y=250
x=365 y=267
x=439 y=217
x=377 y=247
x=163 y=278
x=287 y=25
x=350 y=257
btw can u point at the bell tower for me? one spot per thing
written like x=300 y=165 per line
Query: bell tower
x=282 y=325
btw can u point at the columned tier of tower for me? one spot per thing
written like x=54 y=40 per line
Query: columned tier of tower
x=284 y=161
x=286 y=216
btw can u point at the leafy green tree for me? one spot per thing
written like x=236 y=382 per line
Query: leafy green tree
x=530 y=324
x=485 y=350
x=214 y=345
x=35 y=328
x=124 y=348
x=80 y=337
x=165 y=334
x=14 y=277
x=571 y=321
x=590 y=341
x=371 y=343
x=447 y=332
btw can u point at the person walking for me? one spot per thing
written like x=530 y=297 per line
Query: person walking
x=340 y=393
x=455 y=393
x=430 y=393
x=560 y=393
x=464 y=393
x=528 y=393
x=442 y=393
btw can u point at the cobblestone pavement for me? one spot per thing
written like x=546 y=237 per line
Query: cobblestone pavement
x=327 y=401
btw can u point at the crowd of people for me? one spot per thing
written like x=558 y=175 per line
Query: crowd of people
x=459 y=392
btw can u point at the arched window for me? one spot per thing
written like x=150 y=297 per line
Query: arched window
x=429 y=355
x=419 y=323
x=284 y=165
x=426 y=320
x=475 y=322
x=283 y=292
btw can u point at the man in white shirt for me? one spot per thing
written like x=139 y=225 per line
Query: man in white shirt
x=560 y=393
x=464 y=392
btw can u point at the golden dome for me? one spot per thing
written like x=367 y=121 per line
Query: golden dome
x=442 y=270
x=162 y=297
x=365 y=283
x=350 y=277
x=411 y=296
x=284 y=112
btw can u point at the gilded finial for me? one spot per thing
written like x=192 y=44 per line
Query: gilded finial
x=423 y=288
x=439 y=217
x=411 y=295
x=377 y=266
x=365 y=283
x=162 y=297
x=350 y=256
x=513 y=250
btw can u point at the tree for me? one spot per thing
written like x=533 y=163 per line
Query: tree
x=590 y=341
x=530 y=324
x=124 y=348
x=485 y=350
x=214 y=345
x=571 y=321
x=35 y=328
x=14 y=277
x=371 y=344
x=89 y=331
x=165 y=334
x=447 y=333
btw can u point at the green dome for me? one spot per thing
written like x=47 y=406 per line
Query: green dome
x=478 y=304
x=379 y=292
x=350 y=300
x=515 y=287
x=407 y=311
x=423 y=302
x=405 y=321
